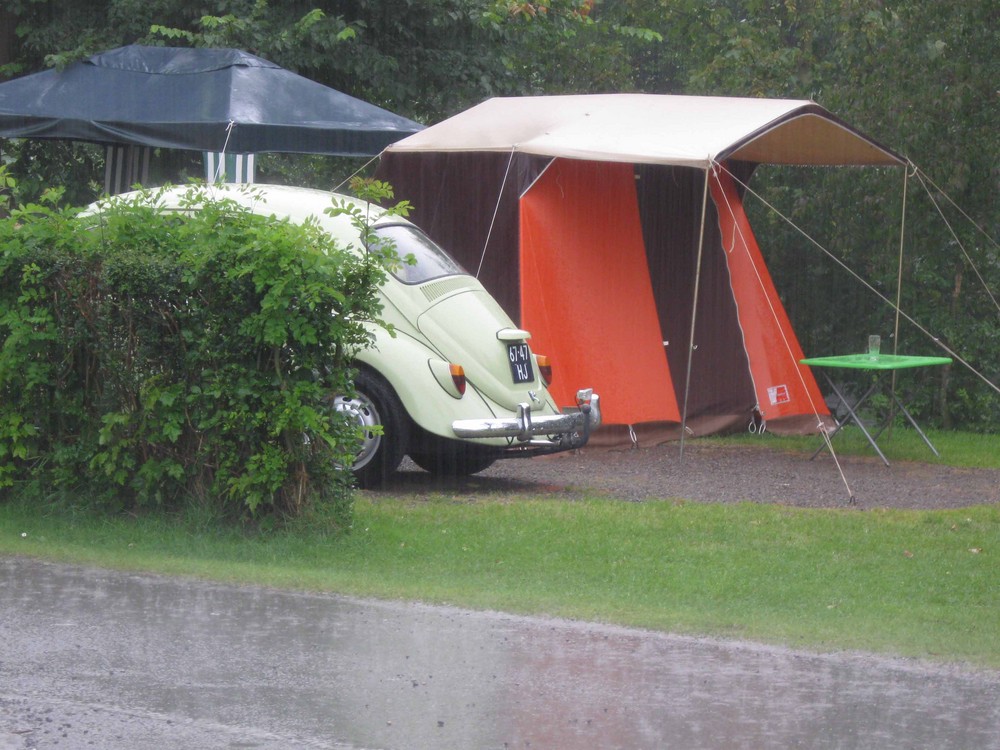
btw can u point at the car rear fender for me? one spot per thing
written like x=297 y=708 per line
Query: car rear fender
x=403 y=362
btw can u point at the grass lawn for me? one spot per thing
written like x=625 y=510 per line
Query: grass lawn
x=901 y=444
x=911 y=583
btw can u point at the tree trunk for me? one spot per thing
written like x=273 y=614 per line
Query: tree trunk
x=7 y=37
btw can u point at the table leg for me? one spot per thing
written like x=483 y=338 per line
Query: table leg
x=852 y=416
x=902 y=408
x=915 y=425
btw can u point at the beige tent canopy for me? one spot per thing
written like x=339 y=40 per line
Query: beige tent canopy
x=689 y=131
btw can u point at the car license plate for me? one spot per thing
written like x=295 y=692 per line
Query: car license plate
x=520 y=363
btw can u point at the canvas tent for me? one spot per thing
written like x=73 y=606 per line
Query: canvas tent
x=612 y=227
x=209 y=100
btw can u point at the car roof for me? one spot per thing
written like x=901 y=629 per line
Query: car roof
x=282 y=201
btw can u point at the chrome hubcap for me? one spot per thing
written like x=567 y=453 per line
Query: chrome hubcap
x=363 y=413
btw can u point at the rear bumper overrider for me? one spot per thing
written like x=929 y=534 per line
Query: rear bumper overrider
x=532 y=435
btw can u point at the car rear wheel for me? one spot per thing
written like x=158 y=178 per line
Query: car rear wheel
x=374 y=404
x=452 y=458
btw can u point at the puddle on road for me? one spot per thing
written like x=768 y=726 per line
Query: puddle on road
x=259 y=668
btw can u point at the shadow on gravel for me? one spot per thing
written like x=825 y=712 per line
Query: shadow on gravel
x=411 y=480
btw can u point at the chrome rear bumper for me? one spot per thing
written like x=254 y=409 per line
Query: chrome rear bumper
x=546 y=433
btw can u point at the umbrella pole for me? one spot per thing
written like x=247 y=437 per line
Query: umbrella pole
x=694 y=307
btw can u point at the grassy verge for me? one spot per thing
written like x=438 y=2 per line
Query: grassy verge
x=914 y=583
x=902 y=444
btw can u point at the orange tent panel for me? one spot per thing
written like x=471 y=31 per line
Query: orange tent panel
x=783 y=386
x=586 y=294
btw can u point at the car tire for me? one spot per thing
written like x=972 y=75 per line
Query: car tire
x=452 y=458
x=375 y=403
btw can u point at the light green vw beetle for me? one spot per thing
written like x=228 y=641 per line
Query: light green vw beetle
x=457 y=387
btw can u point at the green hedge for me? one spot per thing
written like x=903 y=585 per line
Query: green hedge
x=160 y=359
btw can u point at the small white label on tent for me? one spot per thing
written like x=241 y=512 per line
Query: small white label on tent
x=778 y=394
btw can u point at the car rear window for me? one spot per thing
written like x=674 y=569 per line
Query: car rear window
x=421 y=259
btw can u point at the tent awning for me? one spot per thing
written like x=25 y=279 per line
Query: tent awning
x=194 y=99
x=689 y=131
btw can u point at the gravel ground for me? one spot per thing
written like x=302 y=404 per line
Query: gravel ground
x=712 y=473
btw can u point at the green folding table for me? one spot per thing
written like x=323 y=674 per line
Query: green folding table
x=877 y=363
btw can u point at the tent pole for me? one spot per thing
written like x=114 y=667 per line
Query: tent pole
x=899 y=272
x=899 y=291
x=694 y=305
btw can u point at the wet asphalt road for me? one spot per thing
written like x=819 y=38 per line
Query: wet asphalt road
x=98 y=659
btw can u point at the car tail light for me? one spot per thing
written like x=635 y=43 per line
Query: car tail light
x=544 y=368
x=458 y=377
